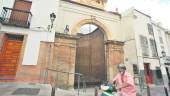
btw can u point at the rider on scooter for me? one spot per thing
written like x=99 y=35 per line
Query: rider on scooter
x=124 y=81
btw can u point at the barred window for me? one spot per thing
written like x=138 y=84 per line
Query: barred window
x=153 y=48
x=158 y=73
x=144 y=45
x=150 y=29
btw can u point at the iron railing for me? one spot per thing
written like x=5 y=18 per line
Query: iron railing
x=15 y=17
x=56 y=78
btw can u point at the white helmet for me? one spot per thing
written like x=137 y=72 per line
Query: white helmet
x=122 y=66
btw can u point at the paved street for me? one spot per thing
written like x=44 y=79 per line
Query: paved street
x=154 y=91
x=24 y=89
x=27 y=89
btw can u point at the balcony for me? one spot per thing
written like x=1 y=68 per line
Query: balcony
x=15 y=17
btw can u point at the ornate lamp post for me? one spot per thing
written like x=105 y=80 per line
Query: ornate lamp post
x=52 y=18
x=163 y=54
x=164 y=81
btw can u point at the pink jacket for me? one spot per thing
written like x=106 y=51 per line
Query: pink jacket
x=128 y=79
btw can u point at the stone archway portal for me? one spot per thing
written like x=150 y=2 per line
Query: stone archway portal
x=90 y=57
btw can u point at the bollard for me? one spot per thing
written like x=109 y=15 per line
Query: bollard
x=96 y=91
x=78 y=85
x=166 y=91
x=148 y=91
x=53 y=91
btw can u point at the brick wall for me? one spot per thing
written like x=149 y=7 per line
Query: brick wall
x=64 y=59
x=26 y=73
x=114 y=56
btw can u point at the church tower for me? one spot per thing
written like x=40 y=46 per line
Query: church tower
x=94 y=3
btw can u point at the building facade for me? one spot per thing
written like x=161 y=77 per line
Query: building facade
x=147 y=42
x=23 y=26
x=34 y=49
x=42 y=49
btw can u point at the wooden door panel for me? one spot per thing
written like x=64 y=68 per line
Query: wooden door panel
x=9 y=58
x=148 y=74
x=90 y=57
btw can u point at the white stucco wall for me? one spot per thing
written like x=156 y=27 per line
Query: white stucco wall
x=40 y=13
x=32 y=46
x=156 y=29
x=70 y=14
x=138 y=26
x=41 y=10
x=1 y=1
x=168 y=41
x=41 y=19
x=7 y=3
x=130 y=55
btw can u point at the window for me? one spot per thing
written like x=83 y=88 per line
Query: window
x=150 y=29
x=144 y=45
x=160 y=40
x=135 y=69
x=158 y=73
x=153 y=48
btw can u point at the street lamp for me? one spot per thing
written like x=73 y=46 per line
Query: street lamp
x=52 y=18
x=163 y=57
x=163 y=54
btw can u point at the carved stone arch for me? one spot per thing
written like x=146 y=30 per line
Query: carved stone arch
x=76 y=27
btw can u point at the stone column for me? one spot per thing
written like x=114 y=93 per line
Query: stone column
x=64 y=59
x=114 y=56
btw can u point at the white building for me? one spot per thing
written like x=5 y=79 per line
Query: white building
x=162 y=50
x=143 y=47
x=25 y=24
x=167 y=34
x=31 y=25
x=26 y=21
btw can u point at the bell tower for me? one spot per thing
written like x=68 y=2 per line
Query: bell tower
x=94 y=3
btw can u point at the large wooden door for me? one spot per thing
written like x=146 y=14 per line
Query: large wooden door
x=9 y=56
x=90 y=57
x=148 y=73
x=20 y=17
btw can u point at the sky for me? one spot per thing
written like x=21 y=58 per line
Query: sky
x=159 y=10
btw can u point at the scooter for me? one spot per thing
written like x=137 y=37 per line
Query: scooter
x=108 y=90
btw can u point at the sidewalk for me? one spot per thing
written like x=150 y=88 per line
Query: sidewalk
x=87 y=92
x=30 y=89
x=155 y=90
x=24 y=89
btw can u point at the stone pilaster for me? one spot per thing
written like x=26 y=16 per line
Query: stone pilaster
x=45 y=61
x=114 y=56
x=64 y=59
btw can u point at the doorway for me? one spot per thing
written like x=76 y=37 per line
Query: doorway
x=148 y=73
x=90 y=54
x=9 y=56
